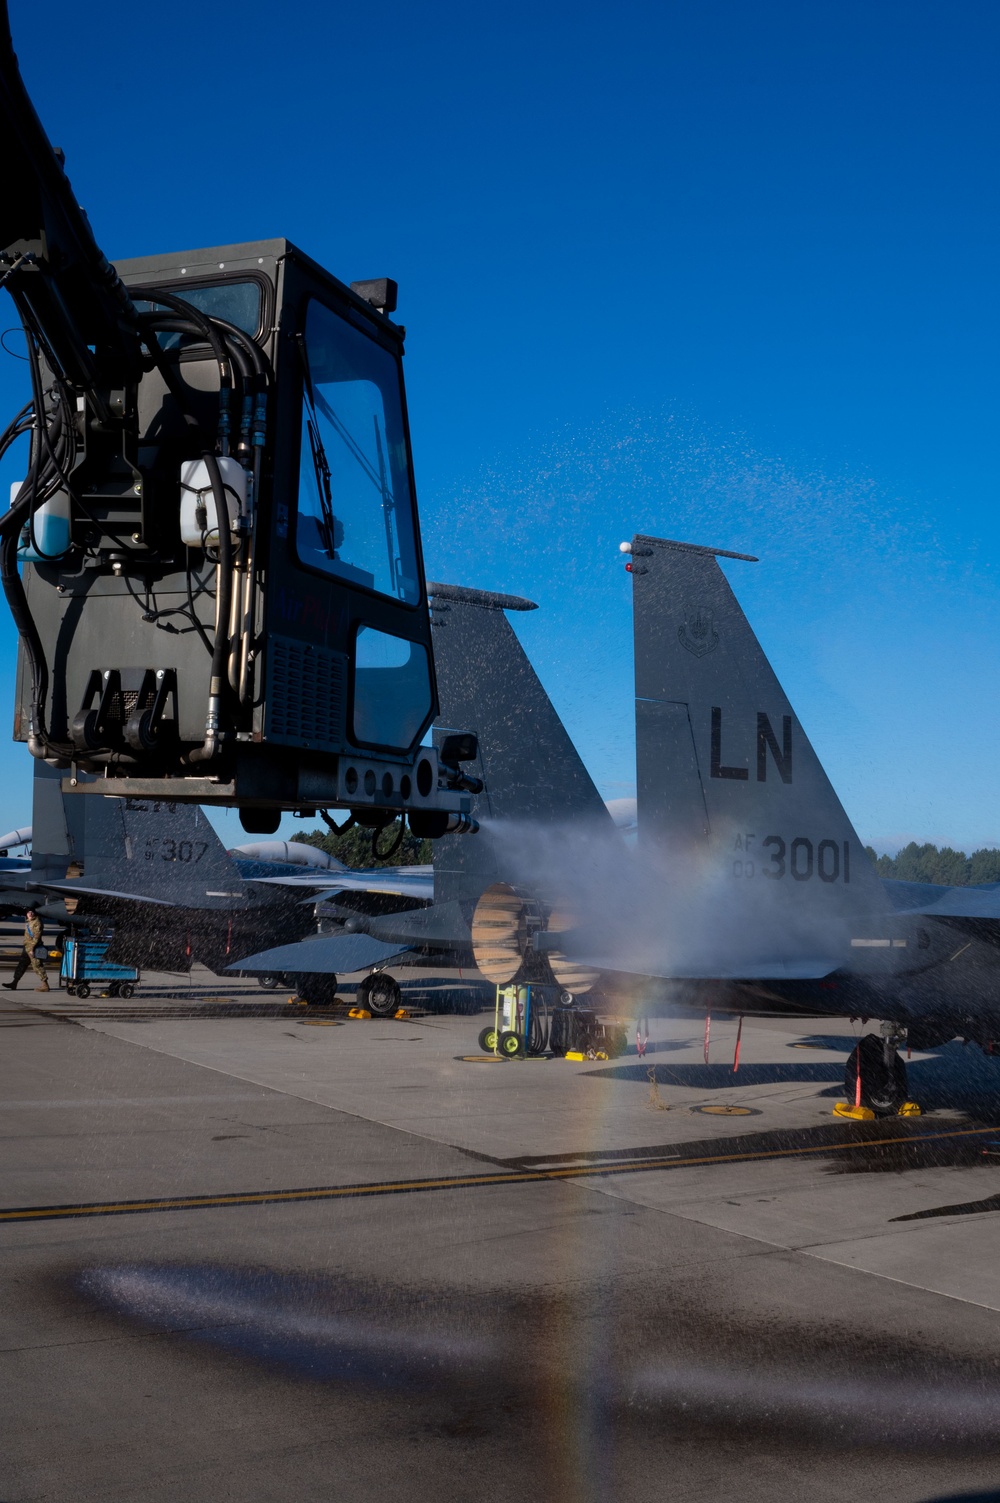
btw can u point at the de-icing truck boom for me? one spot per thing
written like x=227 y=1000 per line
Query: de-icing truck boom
x=213 y=560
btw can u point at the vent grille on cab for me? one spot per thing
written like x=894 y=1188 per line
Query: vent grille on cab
x=305 y=699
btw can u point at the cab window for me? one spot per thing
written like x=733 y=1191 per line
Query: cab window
x=355 y=508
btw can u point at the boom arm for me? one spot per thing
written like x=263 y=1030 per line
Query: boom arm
x=68 y=295
x=181 y=633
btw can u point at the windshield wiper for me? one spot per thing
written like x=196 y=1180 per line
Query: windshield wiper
x=388 y=511
x=331 y=532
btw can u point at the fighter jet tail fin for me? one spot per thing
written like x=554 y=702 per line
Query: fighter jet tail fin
x=532 y=771
x=138 y=848
x=726 y=776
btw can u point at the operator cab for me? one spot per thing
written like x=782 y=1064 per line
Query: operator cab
x=329 y=681
x=213 y=561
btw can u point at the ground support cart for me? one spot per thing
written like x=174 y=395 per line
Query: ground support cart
x=518 y=1026
x=84 y=967
x=525 y=1023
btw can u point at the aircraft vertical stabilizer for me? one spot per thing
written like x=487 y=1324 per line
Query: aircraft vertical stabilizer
x=728 y=785
x=532 y=771
x=143 y=848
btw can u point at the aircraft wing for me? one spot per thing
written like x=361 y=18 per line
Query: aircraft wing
x=803 y=969
x=325 y=955
x=78 y=890
x=974 y=903
x=440 y=926
x=397 y=881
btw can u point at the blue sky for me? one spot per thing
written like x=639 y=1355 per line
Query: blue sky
x=722 y=272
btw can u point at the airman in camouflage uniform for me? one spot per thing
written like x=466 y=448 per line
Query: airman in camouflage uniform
x=32 y=938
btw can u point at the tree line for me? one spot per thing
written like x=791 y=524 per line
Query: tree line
x=354 y=847
x=925 y=863
x=914 y=863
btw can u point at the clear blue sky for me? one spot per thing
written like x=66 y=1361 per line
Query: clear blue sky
x=722 y=271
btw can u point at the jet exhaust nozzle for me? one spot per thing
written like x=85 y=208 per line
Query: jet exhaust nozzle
x=515 y=937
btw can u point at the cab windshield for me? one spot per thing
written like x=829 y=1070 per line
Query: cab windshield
x=355 y=509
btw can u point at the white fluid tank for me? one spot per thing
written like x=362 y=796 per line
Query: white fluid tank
x=50 y=528
x=199 y=519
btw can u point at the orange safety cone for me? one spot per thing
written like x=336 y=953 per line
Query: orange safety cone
x=857 y=1112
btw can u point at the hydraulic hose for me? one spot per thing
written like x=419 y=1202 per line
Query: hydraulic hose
x=538 y=1032
x=42 y=472
x=17 y=602
x=393 y=845
x=233 y=345
x=336 y=829
x=224 y=595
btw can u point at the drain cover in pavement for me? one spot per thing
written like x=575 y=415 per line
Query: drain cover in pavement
x=725 y=1111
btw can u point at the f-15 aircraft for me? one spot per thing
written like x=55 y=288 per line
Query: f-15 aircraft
x=748 y=890
x=159 y=877
x=534 y=780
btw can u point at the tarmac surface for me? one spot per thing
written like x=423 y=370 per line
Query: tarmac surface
x=253 y=1251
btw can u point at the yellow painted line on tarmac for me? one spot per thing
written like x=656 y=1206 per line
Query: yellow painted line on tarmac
x=456 y=1182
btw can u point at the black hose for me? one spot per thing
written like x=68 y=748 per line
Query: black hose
x=188 y=311
x=538 y=1028
x=20 y=424
x=393 y=848
x=43 y=436
x=38 y=479
x=17 y=602
x=197 y=324
x=336 y=829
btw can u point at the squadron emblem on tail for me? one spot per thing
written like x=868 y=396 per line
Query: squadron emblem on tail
x=698 y=634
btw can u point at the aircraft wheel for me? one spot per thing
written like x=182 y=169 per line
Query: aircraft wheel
x=511 y=1044
x=126 y=989
x=883 y=1088
x=616 y=1042
x=488 y=1040
x=317 y=989
x=82 y=989
x=380 y=994
x=269 y=981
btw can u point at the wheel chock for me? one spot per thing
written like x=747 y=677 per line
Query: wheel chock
x=402 y=1013
x=359 y=1012
x=297 y=1002
x=855 y=1113
x=575 y=1054
x=909 y=1109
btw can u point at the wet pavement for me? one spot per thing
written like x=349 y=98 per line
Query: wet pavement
x=247 y=1255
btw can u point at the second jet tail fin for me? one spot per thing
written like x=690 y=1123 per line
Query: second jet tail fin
x=534 y=777
x=727 y=780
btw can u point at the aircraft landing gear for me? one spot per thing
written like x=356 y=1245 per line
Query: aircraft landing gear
x=380 y=994
x=317 y=990
x=883 y=1074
